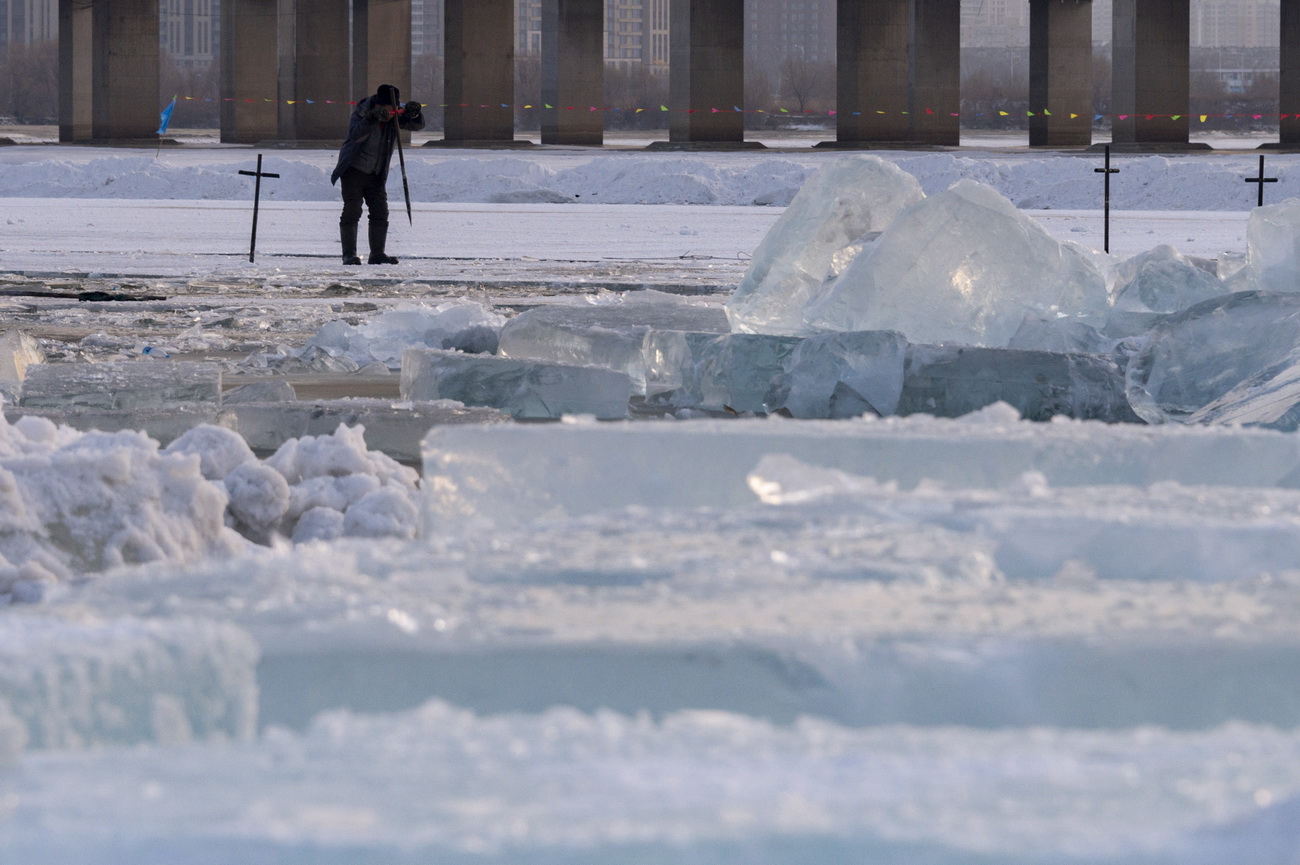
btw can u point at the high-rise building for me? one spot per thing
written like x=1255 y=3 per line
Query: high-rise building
x=1235 y=23
x=775 y=29
x=189 y=31
x=28 y=22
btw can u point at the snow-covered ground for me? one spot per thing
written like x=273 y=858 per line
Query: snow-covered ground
x=744 y=640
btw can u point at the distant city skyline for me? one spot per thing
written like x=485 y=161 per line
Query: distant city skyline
x=637 y=30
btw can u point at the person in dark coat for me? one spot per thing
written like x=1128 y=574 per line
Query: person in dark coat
x=363 y=167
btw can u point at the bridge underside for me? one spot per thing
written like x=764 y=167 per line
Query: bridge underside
x=290 y=68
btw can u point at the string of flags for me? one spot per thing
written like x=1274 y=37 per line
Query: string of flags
x=735 y=109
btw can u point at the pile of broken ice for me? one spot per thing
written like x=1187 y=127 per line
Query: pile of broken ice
x=869 y=297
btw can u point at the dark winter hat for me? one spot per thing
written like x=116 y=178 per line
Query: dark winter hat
x=387 y=95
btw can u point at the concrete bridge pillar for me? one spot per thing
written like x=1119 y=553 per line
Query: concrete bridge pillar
x=249 y=70
x=1151 y=87
x=898 y=72
x=479 y=71
x=706 y=71
x=314 y=40
x=108 y=70
x=1060 y=73
x=573 y=71
x=381 y=47
x=1289 y=76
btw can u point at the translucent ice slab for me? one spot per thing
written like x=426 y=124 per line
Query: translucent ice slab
x=391 y=427
x=845 y=374
x=1194 y=358
x=962 y=266
x=164 y=425
x=74 y=684
x=950 y=381
x=521 y=388
x=1273 y=248
x=508 y=471
x=17 y=352
x=611 y=333
x=737 y=372
x=819 y=233
x=124 y=386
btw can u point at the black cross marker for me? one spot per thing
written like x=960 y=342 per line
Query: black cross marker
x=1107 y=172
x=257 y=197
x=1261 y=180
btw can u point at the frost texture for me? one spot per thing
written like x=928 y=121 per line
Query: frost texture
x=815 y=238
x=962 y=266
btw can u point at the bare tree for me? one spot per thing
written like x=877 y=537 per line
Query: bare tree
x=806 y=80
x=528 y=91
x=29 y=82
x=426 y=87
x=632 y=86
x=202 y=86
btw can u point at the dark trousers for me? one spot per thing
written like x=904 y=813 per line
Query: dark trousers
x=360 y=187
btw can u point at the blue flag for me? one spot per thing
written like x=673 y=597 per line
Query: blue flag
x=167 y=116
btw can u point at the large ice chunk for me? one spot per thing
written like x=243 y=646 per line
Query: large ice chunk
x=1273 y=247
x=610 y=332
x=522 y=388
x=461 y=324
x=952 y=380
x=122 y=386
x=734 y=372
x=1159 y=281
x=1192 y=359
x=816 y=237
x=845 y=375
x=961 y=266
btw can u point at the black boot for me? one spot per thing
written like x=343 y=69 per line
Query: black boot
x=378 y=237
x=348 y=237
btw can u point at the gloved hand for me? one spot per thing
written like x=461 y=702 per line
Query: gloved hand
x=412 y=108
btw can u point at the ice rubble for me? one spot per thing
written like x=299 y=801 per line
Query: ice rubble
x=463 y=325
x=821 y=231
x=80 y=503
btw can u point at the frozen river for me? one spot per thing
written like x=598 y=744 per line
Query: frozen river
x=688 y=640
